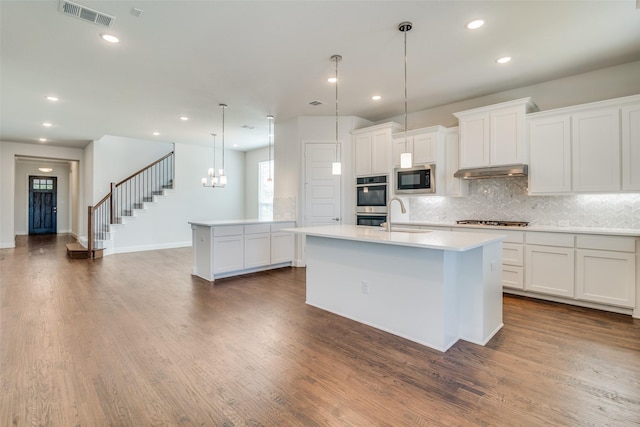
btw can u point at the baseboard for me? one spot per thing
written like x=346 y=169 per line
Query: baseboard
x=8 y=245
x=152 y=247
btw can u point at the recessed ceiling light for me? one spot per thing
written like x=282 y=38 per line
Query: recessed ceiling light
x=47 y=124
x=156 y=133
x=109 y=38
x=45 y=169
x=51 y=98
x=503 y=60
x=332 y=80
x=475 y=24
x=42 y=139
x=235 y=145
x=184 y=118
x=376 y=97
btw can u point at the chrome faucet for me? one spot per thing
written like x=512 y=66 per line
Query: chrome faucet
x=402 y=208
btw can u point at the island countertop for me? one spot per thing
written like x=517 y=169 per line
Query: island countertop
x=442 y=240
x=217 y=223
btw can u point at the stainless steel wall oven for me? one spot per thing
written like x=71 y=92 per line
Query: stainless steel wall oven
x=372 y=195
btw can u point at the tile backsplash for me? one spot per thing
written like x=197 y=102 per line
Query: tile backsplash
x=507 y=199
x=284 y=209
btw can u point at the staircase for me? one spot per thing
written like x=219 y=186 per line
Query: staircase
x=123 y=201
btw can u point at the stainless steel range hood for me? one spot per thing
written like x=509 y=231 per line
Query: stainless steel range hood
x=492 y=172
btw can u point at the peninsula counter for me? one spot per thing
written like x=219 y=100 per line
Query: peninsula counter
x=429 y=287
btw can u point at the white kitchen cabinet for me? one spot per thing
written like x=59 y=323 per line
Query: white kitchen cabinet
x=595 y=143
x=373 y=149
x=424 y=144
x=282 y=243
x=549 y=153
x=606 y=270
x=257 y=250
x=631 y=147
x=550 y=270
x=453 y=186
x=494 y=135
x=550 y=260
x=229 y=253
x=222 y=249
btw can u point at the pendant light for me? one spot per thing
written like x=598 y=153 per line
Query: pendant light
x=222 y=177
x=270 y=119
x=336 y=167
x=405 y=158
x=211 y=173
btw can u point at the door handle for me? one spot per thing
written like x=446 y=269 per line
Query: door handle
x=55 y=209
x=336 y=219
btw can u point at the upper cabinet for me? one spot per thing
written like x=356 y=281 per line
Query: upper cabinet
x=586 y=148
x=373 y=149
x=494 y=135
x=454 y=186
x=595 y=140
x=434 y=145
x=550 y=154
x=631 y=147
x=425 y=145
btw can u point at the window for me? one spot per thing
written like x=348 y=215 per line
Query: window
x=265 y=191
x=42 y=184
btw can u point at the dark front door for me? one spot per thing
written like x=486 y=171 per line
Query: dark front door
x=42 y=205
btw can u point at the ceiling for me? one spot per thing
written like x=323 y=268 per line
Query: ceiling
x=272 y=57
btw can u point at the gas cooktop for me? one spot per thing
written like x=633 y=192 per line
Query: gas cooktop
x=492 y=222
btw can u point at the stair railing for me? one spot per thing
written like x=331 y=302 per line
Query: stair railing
x=127 y=195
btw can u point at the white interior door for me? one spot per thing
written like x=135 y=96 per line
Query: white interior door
x=322 y=189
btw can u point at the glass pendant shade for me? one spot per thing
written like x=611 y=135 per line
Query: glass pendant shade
x=405 y=160
x=336 y=168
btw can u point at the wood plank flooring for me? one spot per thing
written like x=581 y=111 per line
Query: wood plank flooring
x=134 y=340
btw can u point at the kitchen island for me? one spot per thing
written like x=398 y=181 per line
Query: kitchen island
x=234 y=247
x=429 y=287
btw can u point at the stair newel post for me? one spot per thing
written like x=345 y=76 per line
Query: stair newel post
x=90 y=232
x=112 y=204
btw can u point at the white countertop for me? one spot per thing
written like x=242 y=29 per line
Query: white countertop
x=217 y=223
x=631 y=232
x=442 y=240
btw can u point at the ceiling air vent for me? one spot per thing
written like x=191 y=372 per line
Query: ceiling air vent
x=315 y=103
x=86 y=14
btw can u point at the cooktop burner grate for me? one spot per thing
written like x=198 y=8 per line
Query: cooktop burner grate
x=492 y=222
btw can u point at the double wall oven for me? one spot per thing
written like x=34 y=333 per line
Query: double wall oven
x=372 y=194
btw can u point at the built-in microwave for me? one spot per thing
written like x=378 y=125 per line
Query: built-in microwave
x=419 y=179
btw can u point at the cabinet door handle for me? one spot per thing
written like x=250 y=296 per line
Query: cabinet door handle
x=336 y=219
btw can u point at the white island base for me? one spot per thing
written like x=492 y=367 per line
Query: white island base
x=431 y=296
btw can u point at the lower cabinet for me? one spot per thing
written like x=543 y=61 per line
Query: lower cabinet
x=257 y=250
x=239 y=249
x=229 y=251
x=282 y=245
x=606 y=270
x=550 y=270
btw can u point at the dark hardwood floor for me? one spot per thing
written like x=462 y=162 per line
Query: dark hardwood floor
x=134 y=340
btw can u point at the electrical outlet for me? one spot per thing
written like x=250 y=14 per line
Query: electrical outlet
x=365 y=287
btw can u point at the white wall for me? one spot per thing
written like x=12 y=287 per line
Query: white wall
x=116 y=158
x=26 y=168
x=251 y=161
x=608 y=83
x=8 y=153
x=165 y=223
